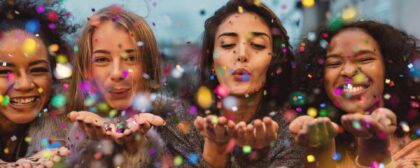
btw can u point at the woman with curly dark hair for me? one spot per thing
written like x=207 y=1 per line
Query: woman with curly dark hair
x=31 y=38
x=358 y=75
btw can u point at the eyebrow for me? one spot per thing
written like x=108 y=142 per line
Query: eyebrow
x=261 y=34
x=108 y=52
x=232 y=34
x=360 y=52
x=38 y=62
x=8 y=64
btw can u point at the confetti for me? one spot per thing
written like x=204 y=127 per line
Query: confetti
x=59 y=100
x=312 y=112
x=53 y=48
x=349 y=13
x=204 y=97
x=308 y=3
x=32 y=26
x=246 y=149
x=40 y=9
x=310 y=158
x=178 y=160
x=193 y=158
x=29 y=46
x=240 y=9
x=63 y=71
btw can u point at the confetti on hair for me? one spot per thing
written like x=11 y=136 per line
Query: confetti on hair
x=240 y=9
x=178 y=160
x=58 y=100
x=193 y=158
x=63 y=71
x=32 y=26
x=310 y=158
x=336 y=156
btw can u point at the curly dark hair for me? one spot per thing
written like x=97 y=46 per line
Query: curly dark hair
x=397 y=48
x=46 y=19
x=280 y=70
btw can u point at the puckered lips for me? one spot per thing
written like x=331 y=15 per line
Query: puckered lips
x=119 y=92
x=241 y=74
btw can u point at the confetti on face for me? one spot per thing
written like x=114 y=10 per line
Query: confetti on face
x=215 y=55
x=29 y=46
x=6 y=100
x=204 y=97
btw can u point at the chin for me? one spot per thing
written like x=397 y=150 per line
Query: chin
x=23 y=119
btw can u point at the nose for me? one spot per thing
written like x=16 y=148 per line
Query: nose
x=23 y=82
x=349 y=69
x=243 y=56
x=116 y=74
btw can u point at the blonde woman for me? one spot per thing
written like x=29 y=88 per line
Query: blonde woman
x=117 y=62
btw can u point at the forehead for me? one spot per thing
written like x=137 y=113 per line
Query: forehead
x=243 y=22
x=20 y=46
x=110 y=32
x=352 y=39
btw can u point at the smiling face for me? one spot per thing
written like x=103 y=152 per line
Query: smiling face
x=242 y=53
x=115 y=69
x=354 y=71
x=25 y=76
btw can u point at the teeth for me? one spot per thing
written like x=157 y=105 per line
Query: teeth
x=352 y=89
x=23 y=100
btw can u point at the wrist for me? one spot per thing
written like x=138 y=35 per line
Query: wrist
x=215 y=154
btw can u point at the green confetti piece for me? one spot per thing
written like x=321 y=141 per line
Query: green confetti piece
x=246 y=149
x=178 y=160
x=6 y=100
x=59 y=100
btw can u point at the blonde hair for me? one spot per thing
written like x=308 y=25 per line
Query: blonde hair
x=142 y=33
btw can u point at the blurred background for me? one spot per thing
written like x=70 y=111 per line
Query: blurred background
x=178 y=24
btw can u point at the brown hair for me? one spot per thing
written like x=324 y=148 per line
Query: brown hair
x=279 y=74
x=135 y=25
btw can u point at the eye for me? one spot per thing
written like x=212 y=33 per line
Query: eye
x=5 y=71
x=130 y=58
x=39 y=70
x=333 y=64
x=258 y=46
x=101 y=59
x=365 y=60
x=228 y=46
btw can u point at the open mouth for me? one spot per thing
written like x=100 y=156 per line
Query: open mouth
x=24 y=100
x=352 y=90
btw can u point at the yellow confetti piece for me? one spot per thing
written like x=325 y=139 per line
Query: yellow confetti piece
x=359 y=78
x=349 y=14
x=178 y=160
x=53 y=48
x=62 y=59
x=310 y=158
x=257 y=2
x=312 y=112
x=308 y=3
x=204 y=97
x=40 y=90
x=28 y=139
x=6 y=150
x=214 y=120
x=240 y=9
x=124 y=54
x=246 y=149
x=29 y=46
x=1 y=98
